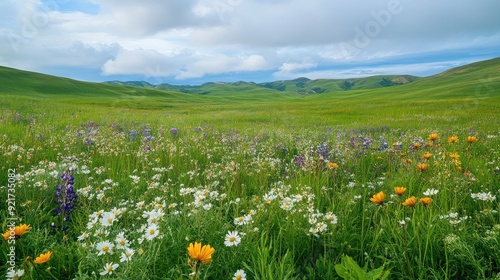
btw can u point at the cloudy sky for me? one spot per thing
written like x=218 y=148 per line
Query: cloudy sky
x=195 y=41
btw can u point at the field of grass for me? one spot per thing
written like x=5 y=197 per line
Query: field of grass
x=399 y=182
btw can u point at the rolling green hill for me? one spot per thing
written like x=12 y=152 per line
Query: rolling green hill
x=473 y=81
x=467 y=96
x=18 y=82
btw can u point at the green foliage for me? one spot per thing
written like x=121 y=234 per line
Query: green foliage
x=264 y=158
x=348 y=269
x=268 y=264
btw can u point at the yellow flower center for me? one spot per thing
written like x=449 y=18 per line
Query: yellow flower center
x=110 y=268
x=122 y=242
x=151 y=231
x=105 y=248
x=110 y=220
x=232 y=239
x=238 y=277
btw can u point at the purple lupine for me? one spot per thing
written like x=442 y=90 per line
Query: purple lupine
x=299 y=160
x=146 y=131
x=366 y=141
x=383 y=144
x=174 y=131
x=133 y=134
x=88 y=141
x=66 y=198
x=322 y=150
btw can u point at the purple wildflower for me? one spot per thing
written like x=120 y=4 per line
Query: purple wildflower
x=299 y=160
x=66 y=198
x=174 y=131
x=366 y=141
x=88 y=141
x=322 y=150
x=133 y=134
x=383 y=143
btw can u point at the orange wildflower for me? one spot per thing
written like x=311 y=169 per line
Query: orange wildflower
x=378 y=198
x=422 y=167
x=18 y=231
x=199 y=253
x=43 y=258
x=333 y=165
x=399 y=190
x=6 y=235
x=454 y=156
x=453 y=139
x=471 y=139
x=427 y=156
x=433 y=136
x=410 y=202
x=426 y=200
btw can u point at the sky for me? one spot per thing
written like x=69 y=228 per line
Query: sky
x=197 y=41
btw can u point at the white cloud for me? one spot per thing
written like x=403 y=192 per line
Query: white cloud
x=290 y=67
x=216 y=64
x=130 y=18
x=147 y=63
x=196 y=38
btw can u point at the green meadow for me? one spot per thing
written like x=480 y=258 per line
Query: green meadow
x=368 y=178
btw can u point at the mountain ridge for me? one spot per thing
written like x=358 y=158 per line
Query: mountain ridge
x=300 y=85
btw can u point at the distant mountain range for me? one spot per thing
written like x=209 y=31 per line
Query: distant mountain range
x=299 y=85
x=471 y=81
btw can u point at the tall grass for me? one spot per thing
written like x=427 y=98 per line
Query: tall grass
x=267 y=174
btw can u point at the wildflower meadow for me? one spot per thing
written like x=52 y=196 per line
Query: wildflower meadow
x=116 y=193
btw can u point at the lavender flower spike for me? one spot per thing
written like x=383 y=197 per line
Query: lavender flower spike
x=66 y=198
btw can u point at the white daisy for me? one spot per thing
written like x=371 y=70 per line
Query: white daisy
x=232 y=238
x=153 y=216
x=83 y=236
x=151 y=232
x=109 y=268
x=331 y=217
x=15 y=274
x=207 y=206
x=243 y=220
x=121 y=241
x=107 y=219
x=240 y=275
x=430 y=192
x=104 y=247
x=127 y=255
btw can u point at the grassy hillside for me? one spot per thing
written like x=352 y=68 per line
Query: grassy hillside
x=470 y=93
x=17 y=82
